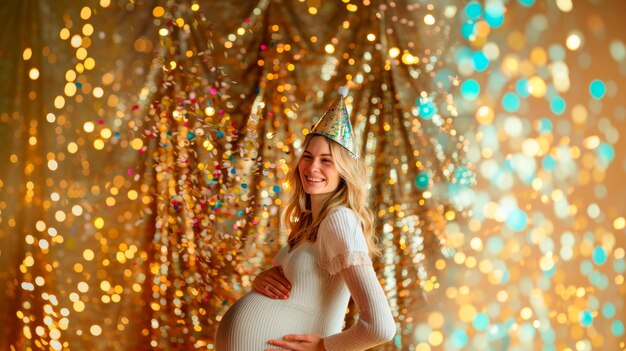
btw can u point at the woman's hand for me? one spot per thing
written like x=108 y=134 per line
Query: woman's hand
x=299 y=342
x=272 y=283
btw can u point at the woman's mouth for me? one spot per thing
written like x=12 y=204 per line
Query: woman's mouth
x=313 y=179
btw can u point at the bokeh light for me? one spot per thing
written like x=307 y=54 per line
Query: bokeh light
x=147 y=148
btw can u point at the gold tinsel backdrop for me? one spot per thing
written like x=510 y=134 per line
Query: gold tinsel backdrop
x=145 y=145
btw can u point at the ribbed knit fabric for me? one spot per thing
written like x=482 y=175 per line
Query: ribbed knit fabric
x=323 y=275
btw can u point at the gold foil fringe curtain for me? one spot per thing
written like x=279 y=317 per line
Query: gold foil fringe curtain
x=198 y=194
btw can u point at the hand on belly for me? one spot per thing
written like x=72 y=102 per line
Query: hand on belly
x=300 y=342
x=272 y=283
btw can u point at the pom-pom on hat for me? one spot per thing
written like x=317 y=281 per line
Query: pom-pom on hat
x=335 y=124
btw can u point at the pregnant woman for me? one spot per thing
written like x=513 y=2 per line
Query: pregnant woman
x=300 y=303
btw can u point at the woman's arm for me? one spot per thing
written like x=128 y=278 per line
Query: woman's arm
x=375 y=324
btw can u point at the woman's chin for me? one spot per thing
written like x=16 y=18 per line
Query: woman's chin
x=313 y=189
x=317 y=192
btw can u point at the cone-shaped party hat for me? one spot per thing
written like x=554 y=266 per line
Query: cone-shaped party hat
x=335 y=124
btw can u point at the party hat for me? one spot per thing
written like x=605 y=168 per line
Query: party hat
x=335 y=124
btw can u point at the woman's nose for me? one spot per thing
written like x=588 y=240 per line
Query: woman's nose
x=312 y=167
x=315 y=165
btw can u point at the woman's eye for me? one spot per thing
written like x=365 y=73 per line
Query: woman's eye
x=327 y=161
x=306 y=157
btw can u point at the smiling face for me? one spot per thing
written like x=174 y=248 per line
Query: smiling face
x=318 y=173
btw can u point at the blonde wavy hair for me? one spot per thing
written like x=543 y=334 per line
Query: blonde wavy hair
x=351 y=193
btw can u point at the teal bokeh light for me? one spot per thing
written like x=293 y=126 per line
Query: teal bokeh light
x=470 y=89
x=599 y=255
x=459 y=338
x=606 y=152
x=517 y=220
x=599 y=280
x=510 y=102
x=421 y=181
x=473 y=10
x=480 y=61
x=586 y=267
x=481 y=321
x=617 y=328
x=425 y=107
x=548 y=163
x=608 y=310
x=521 y=87
x=585 y=318
x=494 y=21
x=545 y=126
x=468 y=29
x=557 y=105
x=597 y=89
x=494 y=13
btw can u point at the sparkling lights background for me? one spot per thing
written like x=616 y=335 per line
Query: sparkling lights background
x=145 y=145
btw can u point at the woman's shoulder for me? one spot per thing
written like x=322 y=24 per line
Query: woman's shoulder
x=341 y=215
x=341 y=232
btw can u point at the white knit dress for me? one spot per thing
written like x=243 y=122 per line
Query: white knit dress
x=323 y=274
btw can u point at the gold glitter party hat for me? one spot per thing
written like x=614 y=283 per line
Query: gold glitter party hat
x=335 y=124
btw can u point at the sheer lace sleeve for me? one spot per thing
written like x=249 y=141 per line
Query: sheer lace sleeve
x=342 y=243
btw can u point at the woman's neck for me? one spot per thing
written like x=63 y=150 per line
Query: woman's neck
x=317 y=202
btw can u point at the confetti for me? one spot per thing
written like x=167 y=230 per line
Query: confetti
x=144 y=170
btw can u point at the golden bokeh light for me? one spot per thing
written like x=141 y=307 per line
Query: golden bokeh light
x=148 y=147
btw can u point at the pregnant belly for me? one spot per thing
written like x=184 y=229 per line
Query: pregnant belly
x=255 y=319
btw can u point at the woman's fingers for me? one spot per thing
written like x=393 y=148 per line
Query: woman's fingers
x=272 y=283
x=277 y=291
x=279 y=285
x=268 y=287
x=283 y=345
x=271 y=292
x=278 y=275
x=302 y=337
x=278 y=280
x=297 y=342
x=262 y=286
